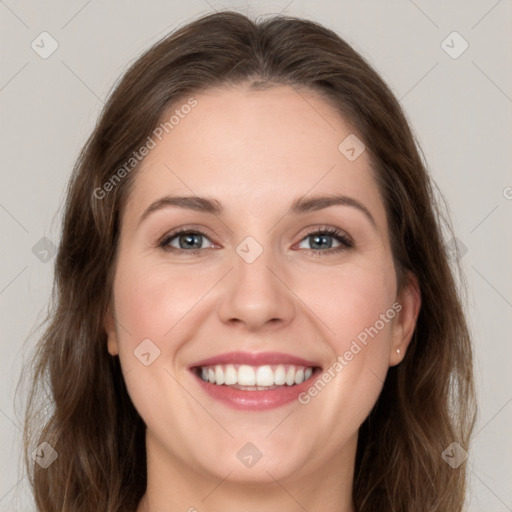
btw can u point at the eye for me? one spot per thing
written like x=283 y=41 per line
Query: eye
x=323 y=240
x=185 y=240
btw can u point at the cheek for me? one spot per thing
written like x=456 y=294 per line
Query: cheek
x=150 y=300
x=356 y=306
x=349 y=300
x=153 y=302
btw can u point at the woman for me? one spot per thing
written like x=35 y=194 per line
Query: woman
x=254 y=307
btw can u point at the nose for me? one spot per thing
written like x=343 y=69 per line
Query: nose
x=256 y=295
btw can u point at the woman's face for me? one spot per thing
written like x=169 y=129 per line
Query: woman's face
x=256 y=296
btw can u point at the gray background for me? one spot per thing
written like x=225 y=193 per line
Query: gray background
x=460 y=109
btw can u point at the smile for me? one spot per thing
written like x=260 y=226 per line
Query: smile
x=255 y=378
x=254 y=382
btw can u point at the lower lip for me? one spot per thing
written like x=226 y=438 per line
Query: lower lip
x=256 y=400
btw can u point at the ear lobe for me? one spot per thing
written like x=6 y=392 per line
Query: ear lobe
x=403 y=329
x=110 y=328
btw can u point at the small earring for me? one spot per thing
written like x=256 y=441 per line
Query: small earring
x=398 y=351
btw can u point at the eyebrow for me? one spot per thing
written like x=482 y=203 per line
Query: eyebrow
x=300 y=206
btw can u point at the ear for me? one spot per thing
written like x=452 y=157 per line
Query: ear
x=408 y=303
x=109 y=325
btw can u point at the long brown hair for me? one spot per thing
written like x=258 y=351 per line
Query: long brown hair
x=78 y=402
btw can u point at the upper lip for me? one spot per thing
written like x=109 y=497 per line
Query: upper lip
x=255 y=359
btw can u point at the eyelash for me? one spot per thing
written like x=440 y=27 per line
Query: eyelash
x=345 y=242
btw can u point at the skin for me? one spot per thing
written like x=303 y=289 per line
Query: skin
x=255 y=152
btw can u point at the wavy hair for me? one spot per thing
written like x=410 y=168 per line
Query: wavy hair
x=78 y=402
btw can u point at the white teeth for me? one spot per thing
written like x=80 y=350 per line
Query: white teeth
x=255 y=378
x=299 y=376
x=264 y=376
x=279 y=375
x=246 y=376
x=290 y=376
x=230 y=375
x=219 y=375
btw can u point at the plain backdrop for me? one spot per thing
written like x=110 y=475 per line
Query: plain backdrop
x=458 y=100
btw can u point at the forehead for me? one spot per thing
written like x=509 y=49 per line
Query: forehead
x=255 y=151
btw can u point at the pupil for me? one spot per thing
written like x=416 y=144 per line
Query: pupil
x=318 y=239
x=189 y=241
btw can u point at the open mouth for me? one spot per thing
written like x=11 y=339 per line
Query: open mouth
x=255 y=378
x=255 y=382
